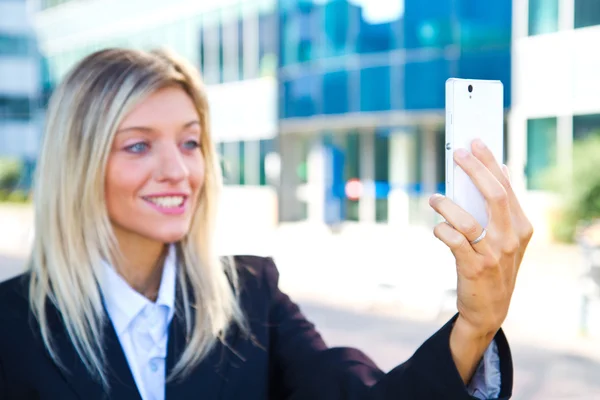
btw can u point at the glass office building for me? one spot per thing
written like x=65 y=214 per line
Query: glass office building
x=232 y=42
x=555 y=102
x=362 y=91
x=552 y=46
x=568 y=112
x=352 y=90
x=20 y=87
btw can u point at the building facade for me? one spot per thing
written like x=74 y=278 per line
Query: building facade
x=233 y=44
x=361 y=90
x=338 y=104
x=20 y=86
x=555 y=92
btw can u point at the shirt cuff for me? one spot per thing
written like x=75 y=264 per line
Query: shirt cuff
x=487 y=381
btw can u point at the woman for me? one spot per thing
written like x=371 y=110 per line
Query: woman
x=125 y=297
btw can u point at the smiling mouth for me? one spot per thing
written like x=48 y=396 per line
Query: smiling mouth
x=166 y=201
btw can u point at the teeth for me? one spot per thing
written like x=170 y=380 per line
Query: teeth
x=167 y=202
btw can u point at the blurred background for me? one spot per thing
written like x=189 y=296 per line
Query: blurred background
x=329 y=118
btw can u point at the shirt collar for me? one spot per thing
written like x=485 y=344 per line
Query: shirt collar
x=123 y=303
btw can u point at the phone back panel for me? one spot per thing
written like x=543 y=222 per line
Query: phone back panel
x=470 y=115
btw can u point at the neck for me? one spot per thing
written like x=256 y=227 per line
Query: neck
x=141 y=265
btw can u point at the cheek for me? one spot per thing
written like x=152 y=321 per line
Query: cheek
x=197 y=169
x=123 y=181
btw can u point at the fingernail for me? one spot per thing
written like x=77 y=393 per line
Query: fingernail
x=479 y=144
x=435 y=197
x=461 y=153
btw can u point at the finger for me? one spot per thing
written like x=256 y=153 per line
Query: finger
x=484 y=154
x=460 y=220
x=506 y=172
x=491 y=189
x=522 y=224
x=456 y=242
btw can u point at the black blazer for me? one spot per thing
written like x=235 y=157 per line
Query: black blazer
x=285 y=358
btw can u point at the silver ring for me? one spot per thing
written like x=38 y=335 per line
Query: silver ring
x=480 y=238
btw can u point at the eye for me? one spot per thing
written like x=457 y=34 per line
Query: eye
x=137 y=148
x=191 y=144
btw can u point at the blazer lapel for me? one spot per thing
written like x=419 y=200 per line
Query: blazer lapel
x=121 y=383
x=205 y=380
x=208 y=380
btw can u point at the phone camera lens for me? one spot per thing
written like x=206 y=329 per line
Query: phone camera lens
x=470 y=88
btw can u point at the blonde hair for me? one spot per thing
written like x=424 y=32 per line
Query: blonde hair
x=73 y=233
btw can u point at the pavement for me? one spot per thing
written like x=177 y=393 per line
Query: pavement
x=412 y=275
x=539 y=373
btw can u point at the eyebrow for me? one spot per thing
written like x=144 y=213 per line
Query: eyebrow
x=149 y=129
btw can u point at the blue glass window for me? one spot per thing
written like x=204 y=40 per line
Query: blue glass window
x=352 y=171
x=375 y=38
x=47 y=85
x=541 y=150
x=543 y=16
x=202 y=50
x=267 y=32
x=495 y=12
x=586 y=125
x=15 y=108
x=14 y=45
x=242 y=162
x=587 y=13
x=300 y=96
x=354 y=79
x=428 y=23
x=485 y=24
x=221 y=52
x=304 y=50
x=382 y=178
x=285 y=35
x=375 y=89
x=267 y=43
x=424 y=84
x=354 y=90
x=306 y=34
x=287 y=5
x=335 y=92
x=336 y=25
x=240 y=44
x=227 y=45
x=493 y=64
x=298 y=37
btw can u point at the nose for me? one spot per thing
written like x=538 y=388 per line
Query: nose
x=171 y=165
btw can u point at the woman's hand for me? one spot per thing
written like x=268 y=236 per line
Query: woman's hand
x=487 y=270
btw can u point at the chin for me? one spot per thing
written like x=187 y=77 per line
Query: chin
x=170 y=236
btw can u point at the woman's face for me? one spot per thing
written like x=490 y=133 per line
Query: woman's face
x=156 y=169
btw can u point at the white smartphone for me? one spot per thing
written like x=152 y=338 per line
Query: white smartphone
x=474 y=110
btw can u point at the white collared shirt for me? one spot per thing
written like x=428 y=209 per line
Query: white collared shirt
x=142 y=326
